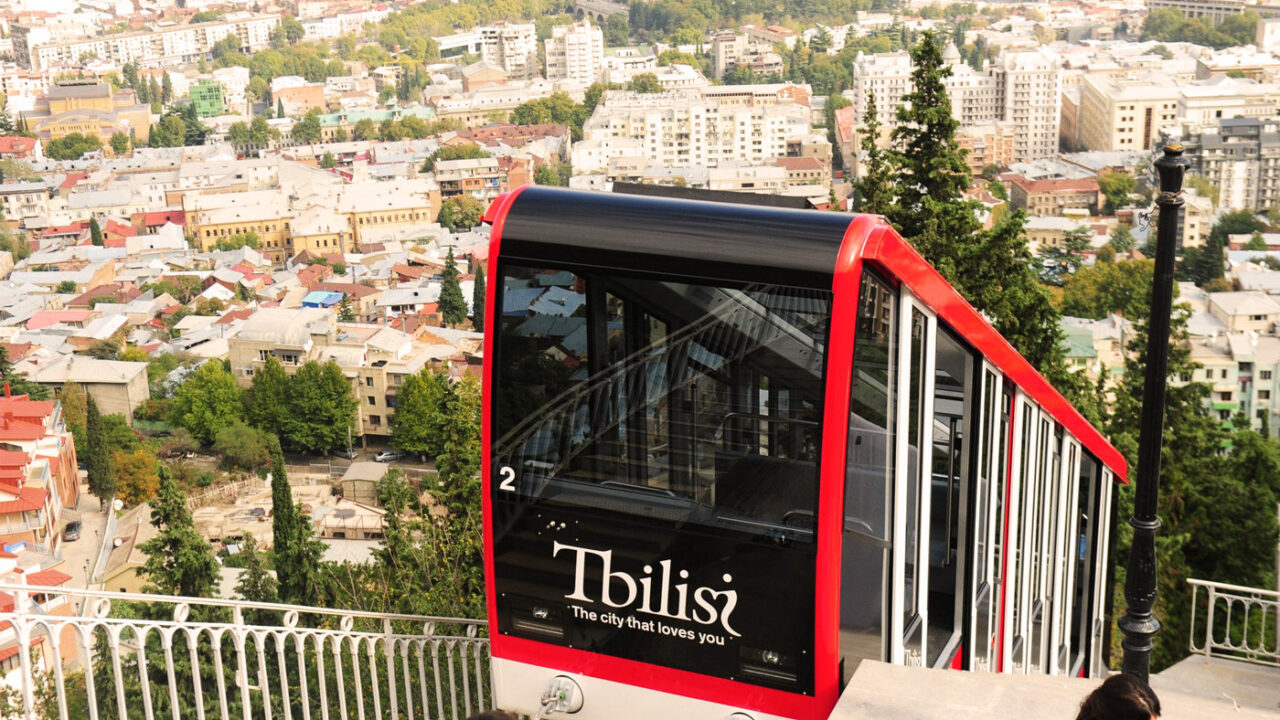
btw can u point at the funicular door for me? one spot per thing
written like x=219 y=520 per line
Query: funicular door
x=1066 y=550
x=1102 y=585
x=988 y=526
x=1022 y=500
x=932 y=468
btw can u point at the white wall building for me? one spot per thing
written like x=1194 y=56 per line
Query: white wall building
x=575 y=52
x=512 y=47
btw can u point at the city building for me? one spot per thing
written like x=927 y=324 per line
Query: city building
x=1053 y=196
x=575 y=52
x=38 y=473
x=89 y=108
x=1241 y=157
x=206 y=96
x=36 y=47
x=512 y=47
x=687 y=128
x=117 y=386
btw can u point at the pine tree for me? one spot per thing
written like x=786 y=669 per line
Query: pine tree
x=179 y=561
x=95 y=232
x=166 y=90
x=297 y=552
x=875 y=187
x=453 y=307
x=279 y=108
x=256 y=583
x=97 y=455
x=345 y=312
x=477 y=300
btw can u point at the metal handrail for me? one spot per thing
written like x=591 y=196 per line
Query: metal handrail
x=1240 y=623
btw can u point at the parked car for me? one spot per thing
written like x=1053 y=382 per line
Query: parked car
x=71 y=531
x=348 y=453
x=387 y=456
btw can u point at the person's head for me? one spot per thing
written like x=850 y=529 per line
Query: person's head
x=1120 y=697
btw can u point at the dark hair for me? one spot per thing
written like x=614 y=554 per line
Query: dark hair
x=1120 y=697
x=496 y=715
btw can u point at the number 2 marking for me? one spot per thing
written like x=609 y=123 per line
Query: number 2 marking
x=508 y=475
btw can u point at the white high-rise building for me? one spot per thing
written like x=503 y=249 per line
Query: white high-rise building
x=575 y=52
x=1029 y=85
x=686 y=128
x=1023 y=88
x=512 y=47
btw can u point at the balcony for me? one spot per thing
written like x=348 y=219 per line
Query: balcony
x=159 y=656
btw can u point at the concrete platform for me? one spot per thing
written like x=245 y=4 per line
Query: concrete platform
x=879 y=691
x=1244 y=684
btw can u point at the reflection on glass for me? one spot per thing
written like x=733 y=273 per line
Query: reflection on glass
x=869 y=475
x=953 y=368
x=912 y=626
x=663 y=398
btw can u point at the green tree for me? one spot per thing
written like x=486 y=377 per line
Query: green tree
x=874 y=189
x=478 y=300
x=179 y=561
x=19 y=384
x=1122 y=287
x=461 y=151
x=207 y=402
x=256 y=583
x=364 y=129
x=307 y=130
x=453 y=307
x=321 y=409
x=1121 y=239
x=242 y=447
x=293 y=30
x=119 y=144
x=171 y=131
x=418 y=424
x=1256 y=242
x=461 y=211
x=459 y=460
x=266 y=402
x=645 y=83
x=346 y=313
x=297 y=552
x=1116 y=187
x=1057 y=262
x=328 y=161
x=166 y=90
x=97 y=456
x=67 y=286
x=72 y=146
x=74 y=413
x=95 y=232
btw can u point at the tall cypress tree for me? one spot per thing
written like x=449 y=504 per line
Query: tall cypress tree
x=477 y=300
x=453 y=307
x=97 y=457
x=297 y=552
x=95 y=232
x=875 y=187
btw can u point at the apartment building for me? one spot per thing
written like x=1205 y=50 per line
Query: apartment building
x=576 y=53
x=376 y=358
x=38 y=475
x=1215 y=11
x=220 y=216
x=1056 y=196
x=1022 y=88
x=512 y=47
x=1241 y=157
x=35 y=48
x=684 y=128
x=1126 y=112
x=22 y=200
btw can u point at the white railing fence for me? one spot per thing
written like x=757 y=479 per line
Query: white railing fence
x=1235 y=622
x=154 y=656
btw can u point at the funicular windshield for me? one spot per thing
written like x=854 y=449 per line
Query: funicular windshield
x=655 y=468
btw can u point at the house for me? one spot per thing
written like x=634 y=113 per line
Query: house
x=118 y=387
x=38 y=473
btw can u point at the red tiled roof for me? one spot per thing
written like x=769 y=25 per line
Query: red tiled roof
x=152 y=219
x=1050 y=185
x=72 y=179
x=234 y=315
x=119 y=228
x=14 y=144
x=45 y=318
x=29 y=500
x=845 y=118
x=13 y=458
x=49 y=578
x=800 y=163
x=411 y=271
x=16 y=351
x=353 y=289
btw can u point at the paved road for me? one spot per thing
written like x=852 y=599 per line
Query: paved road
x=79 y=556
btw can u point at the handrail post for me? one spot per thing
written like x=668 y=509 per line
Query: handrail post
x=1208 y=628
x=1139 y=623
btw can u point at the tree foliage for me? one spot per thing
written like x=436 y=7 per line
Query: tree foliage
x=1116 y=187
x=207 y=402
x=478 y=300
x=179 y=561
x=1171 y=25
x=242 y=447
x=72 y=146
x=874 y=188
x=321 y=409
x=453 y=306
x=97 y=455
x=461 y=151
x=460 y=212
x=417 y=425
x=266 y=402
x=1122 y=287
x=297 y=552
x=136 y=477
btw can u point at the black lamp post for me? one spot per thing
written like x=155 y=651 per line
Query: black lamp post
x=1139 y=625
